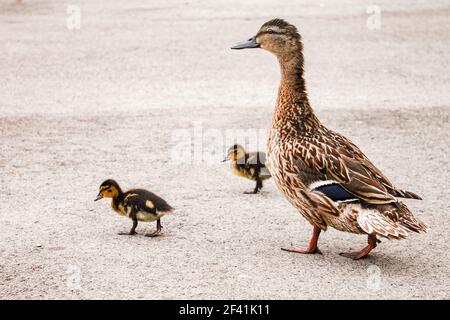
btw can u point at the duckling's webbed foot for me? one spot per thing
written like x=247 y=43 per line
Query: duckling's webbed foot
x=158 y=231
x=356 y=255
x=132 y=231
x=154 y=234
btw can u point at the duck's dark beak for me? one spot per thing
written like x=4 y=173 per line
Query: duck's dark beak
x=248 y=44
x=98 y=197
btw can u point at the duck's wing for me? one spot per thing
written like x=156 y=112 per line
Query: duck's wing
x=335 y=157
x=358 y=155
x=334 y=191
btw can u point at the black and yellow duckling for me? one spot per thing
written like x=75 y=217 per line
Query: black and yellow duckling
x=136 y=204
x=248 y=165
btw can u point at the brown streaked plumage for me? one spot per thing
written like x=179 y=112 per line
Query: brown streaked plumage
x=248 y=165
x=136 y=204
x=322 y=173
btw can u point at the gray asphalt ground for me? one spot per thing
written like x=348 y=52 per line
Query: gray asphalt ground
x=117 y=99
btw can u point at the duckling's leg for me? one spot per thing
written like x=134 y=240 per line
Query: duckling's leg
x=158 y=230
x=312 y=246
x=259 y=184
x=257 y=187
x=356 y=255
x=132 y=231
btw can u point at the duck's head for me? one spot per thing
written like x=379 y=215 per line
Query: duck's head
x=276 y=36
x=108 y=189
x=235 y=153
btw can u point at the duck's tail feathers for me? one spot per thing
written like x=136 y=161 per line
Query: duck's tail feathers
x=392 y=221
x=408 y=221
x=372 y=222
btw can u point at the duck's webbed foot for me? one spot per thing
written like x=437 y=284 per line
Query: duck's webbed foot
x=312 y=246
x=304 y=250
x=157 y=232
x=361 y=254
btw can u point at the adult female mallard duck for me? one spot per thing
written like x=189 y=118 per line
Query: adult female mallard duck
x=322 y=173
x=248 y=165
x=136 y=204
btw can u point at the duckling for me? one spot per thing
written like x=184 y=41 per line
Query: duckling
x=248 y=165
x=326 y=177
x=136 y=204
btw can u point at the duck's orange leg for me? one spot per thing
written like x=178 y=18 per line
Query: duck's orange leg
x=312 y=246
x=356 y=255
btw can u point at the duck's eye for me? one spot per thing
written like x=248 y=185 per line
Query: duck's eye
x=269 y=30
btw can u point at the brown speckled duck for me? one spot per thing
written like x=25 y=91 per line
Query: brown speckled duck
x=326 y=177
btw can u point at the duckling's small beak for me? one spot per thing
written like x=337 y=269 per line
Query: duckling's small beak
x=98 y=197
x=226 y=159
x=247 y=44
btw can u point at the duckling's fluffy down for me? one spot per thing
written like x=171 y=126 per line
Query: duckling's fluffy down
x=147 y=205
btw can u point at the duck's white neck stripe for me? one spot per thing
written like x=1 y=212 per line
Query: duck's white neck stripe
x=319 y=184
